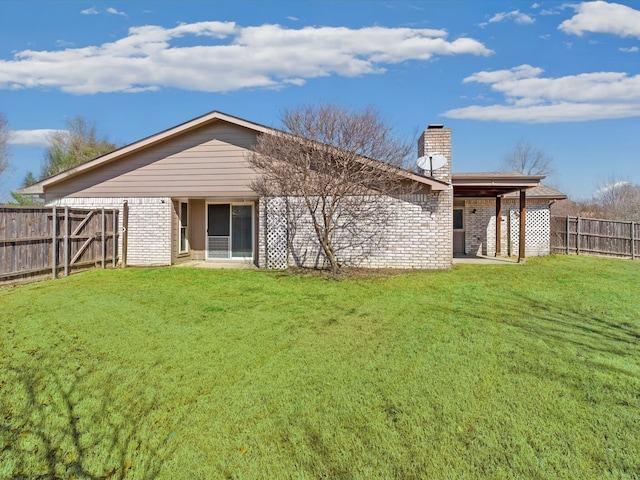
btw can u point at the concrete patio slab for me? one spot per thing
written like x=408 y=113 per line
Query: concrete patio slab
x=485 y=260
x=217 y=264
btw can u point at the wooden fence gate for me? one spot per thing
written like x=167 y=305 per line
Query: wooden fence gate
x=592 y=236
x=37 y=240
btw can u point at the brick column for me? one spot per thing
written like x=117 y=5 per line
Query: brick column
x=437 y=139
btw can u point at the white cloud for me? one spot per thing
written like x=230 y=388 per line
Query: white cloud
x=611 y=187
x=89 y=11
x=113 y=11
x=516 y=16
x=64 y=43
x=603 y=17
x=38 y=137
x=629 y=49
x=226 y=57
x=533 y=99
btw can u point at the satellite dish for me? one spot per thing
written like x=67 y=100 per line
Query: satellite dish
x=432 y=162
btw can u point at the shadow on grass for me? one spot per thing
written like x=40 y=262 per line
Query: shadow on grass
x=56 y=424
x=589 y=332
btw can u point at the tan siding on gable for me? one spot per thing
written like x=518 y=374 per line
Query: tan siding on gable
x=207 y=162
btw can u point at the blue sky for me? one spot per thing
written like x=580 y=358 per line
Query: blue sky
x=564 y=76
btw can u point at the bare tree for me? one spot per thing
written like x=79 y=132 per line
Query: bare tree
x=528 y=160
x=78 y=144
x=4 y=144
x=569 y=208
x=618 y=199
x=336 y=164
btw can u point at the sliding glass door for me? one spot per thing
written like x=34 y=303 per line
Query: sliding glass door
x=241 y=231
x=229 y=231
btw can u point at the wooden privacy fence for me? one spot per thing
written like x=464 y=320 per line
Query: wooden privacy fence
x=592 y=236
x=38 y=240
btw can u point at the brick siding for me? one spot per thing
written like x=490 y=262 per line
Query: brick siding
x=416 y=233
x=480 y=227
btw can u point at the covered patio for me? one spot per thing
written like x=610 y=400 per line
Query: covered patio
x=469 y=187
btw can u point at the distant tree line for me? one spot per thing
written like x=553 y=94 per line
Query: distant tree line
x=616 y=199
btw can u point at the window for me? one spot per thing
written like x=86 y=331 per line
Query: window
x=457 y=219
x=184 y=219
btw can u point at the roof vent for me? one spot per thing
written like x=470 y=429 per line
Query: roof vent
x=436 y=125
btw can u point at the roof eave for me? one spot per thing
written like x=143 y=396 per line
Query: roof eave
x=35 y=189
x=520 y=182
x=559 y=196
x=434 y=184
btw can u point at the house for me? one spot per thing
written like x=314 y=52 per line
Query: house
x=187 y=193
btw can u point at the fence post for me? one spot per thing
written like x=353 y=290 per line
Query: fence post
x=54 y=244
x=578 y=235
x=125 y=226
x=66 y=241
x=114 y=237
x=104 y=238
x=633 y=241
x=567 y=236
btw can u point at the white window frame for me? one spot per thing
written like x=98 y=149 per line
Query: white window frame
x=183 y=226
x=253 y=233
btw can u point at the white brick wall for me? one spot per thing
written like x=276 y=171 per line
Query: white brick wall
x=149 y=232
x=437 y=140
x=418 y=234
x=480 y=227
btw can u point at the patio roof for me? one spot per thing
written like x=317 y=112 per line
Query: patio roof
x=492 y=184
x=542 y=191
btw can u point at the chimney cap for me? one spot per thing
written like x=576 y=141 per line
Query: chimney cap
x=435 y=125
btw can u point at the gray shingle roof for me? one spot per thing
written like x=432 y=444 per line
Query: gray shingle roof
x=542 y=191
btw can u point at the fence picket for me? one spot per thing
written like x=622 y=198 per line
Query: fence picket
x=593 y=236
x=54 y=243
x=37 y=241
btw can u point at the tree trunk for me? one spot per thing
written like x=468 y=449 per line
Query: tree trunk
x=328 y=251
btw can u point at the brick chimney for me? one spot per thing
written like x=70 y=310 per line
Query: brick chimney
x=437 y=139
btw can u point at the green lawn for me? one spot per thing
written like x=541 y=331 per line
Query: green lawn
x=496 y=371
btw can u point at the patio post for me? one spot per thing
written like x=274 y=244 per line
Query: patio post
x=523 y=217
x=498 y=225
